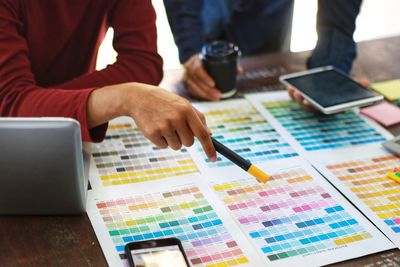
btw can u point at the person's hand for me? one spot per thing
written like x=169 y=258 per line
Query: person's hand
x=164 y=118
x=306 y=105
x=363 y=82
x=298 y=97
x=198 y=82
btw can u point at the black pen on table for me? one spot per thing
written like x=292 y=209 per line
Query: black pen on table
x=241 y=162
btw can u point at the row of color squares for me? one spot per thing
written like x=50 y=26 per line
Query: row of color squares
x=318 y=131
x=126 y=156
x=367 y=180
x=245 y=131
x=291 y=215
x=184 y=214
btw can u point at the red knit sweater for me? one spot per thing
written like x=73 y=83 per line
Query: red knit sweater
x=48 y=52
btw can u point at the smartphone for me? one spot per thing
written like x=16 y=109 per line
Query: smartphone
x=156 y=253
x=330 y=90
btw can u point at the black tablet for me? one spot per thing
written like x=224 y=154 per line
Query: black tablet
x=330 y=90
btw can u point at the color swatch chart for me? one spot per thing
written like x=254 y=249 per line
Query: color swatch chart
x=126 y=156
x=366 y=179
x=291 y=216
x=318 y=132
x=183 y=213
x=241 y=127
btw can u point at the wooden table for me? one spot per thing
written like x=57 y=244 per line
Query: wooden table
x=71 y=241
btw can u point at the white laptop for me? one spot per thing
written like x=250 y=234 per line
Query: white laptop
x=43 y=167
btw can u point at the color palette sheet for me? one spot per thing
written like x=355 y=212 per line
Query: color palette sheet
x=126 y=156
x=165 y=209
x=309 y=132
x=361 y=176
x=297 y=218
x=239 y=126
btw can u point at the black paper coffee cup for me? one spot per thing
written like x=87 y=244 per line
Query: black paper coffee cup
x=219 y=59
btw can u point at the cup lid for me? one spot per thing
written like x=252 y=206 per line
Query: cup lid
x=218 y=50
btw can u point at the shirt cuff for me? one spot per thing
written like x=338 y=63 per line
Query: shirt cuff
x=96 y=134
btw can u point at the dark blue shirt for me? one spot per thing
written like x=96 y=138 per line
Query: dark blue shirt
x=263 y=26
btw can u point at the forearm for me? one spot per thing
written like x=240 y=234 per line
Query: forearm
x=135 y=41
x=142 y=67
x=20 y=100
x=335 y=26
x=105 y=104
x=164 y=118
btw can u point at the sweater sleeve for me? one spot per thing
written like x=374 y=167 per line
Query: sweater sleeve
x=20 y=96
x=135 y=41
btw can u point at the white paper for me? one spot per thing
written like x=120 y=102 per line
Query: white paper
x=283 y=203
x=340 y=133
x=239 y=232
x=361 y=158
x=239 y=126
x=126 y=156
x=151 y=192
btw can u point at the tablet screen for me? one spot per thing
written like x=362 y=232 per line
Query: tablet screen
x=329 y=88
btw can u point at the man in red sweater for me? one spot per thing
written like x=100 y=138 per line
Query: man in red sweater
x=48 y=52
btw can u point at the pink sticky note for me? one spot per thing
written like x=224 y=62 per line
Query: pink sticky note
x=385 y=113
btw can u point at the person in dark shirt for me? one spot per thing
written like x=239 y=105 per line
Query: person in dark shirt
x=257 y=26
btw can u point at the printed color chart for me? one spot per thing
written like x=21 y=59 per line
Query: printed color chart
x=366 y=180
x=239 y=126
x=183 y=213
x=292 y=215
x=318 y=132
x=126 y=156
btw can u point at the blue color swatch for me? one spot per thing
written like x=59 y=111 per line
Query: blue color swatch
x=246 y=132
x=290 y=215
x=317 y=131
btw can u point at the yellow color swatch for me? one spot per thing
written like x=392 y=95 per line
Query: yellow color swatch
x=353 y=238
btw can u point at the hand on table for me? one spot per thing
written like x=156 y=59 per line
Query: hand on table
x=198 y=82
x=166 y=119
x=305 y=104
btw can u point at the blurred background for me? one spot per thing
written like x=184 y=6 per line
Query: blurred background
x=377 y=19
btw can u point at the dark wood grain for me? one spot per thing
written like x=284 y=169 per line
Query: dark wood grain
x=70 y=240
x=49 y=241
